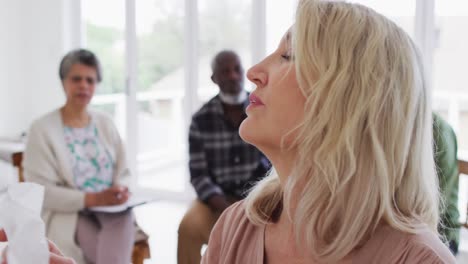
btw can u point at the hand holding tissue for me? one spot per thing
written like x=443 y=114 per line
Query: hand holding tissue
x=22 y=226
x=56 y=257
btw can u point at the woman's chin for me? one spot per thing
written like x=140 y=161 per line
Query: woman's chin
x=81 y=102
x=248 y=131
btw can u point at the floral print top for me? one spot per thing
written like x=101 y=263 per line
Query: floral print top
x=91 y=162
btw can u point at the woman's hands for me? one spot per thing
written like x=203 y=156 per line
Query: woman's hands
x=115 y=195
x=56 y=257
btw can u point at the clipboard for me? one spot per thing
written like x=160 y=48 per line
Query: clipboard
x=134 y=201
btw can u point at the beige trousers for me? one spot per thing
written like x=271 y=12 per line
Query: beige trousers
x=194 y=231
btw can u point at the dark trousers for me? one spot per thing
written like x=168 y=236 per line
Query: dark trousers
x=453 y=247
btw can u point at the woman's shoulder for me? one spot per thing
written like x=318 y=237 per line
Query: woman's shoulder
x=426 y=245
x=47 y=120
x=234 y=237
x=236 y=211
x=234 y=218
x=400 y=247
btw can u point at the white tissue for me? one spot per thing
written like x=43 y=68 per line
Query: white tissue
x=20 y=217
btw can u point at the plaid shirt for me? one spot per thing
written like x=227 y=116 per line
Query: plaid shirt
x=220 y=161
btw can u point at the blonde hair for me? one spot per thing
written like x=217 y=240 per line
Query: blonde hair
x=364 y=148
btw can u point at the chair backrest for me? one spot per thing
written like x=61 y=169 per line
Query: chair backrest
x=463 y=169
x=17 y=160
x=11 y=151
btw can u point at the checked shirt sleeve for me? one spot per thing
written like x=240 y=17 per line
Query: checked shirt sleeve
x=198 y=166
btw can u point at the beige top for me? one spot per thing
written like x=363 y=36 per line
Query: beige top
x=235 y=239
x=46 y=162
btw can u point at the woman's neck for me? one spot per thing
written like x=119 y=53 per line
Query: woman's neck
x=75 y=117
x=280 y=237
x=283 y=162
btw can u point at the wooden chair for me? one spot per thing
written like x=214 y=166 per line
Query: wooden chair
x=16 y=159
x=463 y=169
x=141 y=249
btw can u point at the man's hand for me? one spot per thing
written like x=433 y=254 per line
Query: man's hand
x=218 y=203
x=56 y=257
x=115 y=195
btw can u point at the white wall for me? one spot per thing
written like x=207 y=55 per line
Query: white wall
x=11 y=84
x=34 y=35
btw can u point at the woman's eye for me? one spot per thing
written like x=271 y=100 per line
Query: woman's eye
x=286 y=57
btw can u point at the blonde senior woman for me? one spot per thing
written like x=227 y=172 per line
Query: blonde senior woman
x=77 y=154
x=342 y=112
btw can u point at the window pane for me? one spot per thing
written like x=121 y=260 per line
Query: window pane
x=104 y=35
x=449 y=68
x=223 y=25
x=161 y=132
x=280 y=16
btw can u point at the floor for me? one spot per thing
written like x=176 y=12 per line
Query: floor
x=160 y=220
x=463 y=256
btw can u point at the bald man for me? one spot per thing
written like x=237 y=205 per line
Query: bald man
x=222 y=166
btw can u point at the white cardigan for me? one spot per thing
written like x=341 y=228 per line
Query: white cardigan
x=46 y=161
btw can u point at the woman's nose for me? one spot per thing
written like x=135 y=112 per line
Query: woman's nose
x=257 y=75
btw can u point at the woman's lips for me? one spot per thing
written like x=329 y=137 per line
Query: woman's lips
x=82 y=95
x=255 y=100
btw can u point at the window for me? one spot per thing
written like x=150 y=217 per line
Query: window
x=105 y=36
x=449 y=67
x=280 y=16
x=161 y=106
x=223 y=25
x=160 y=91
x=449 y=77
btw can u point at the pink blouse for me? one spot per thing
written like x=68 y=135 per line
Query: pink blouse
x=235 y=240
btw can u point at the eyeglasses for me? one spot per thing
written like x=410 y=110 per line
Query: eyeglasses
x=78 y=79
